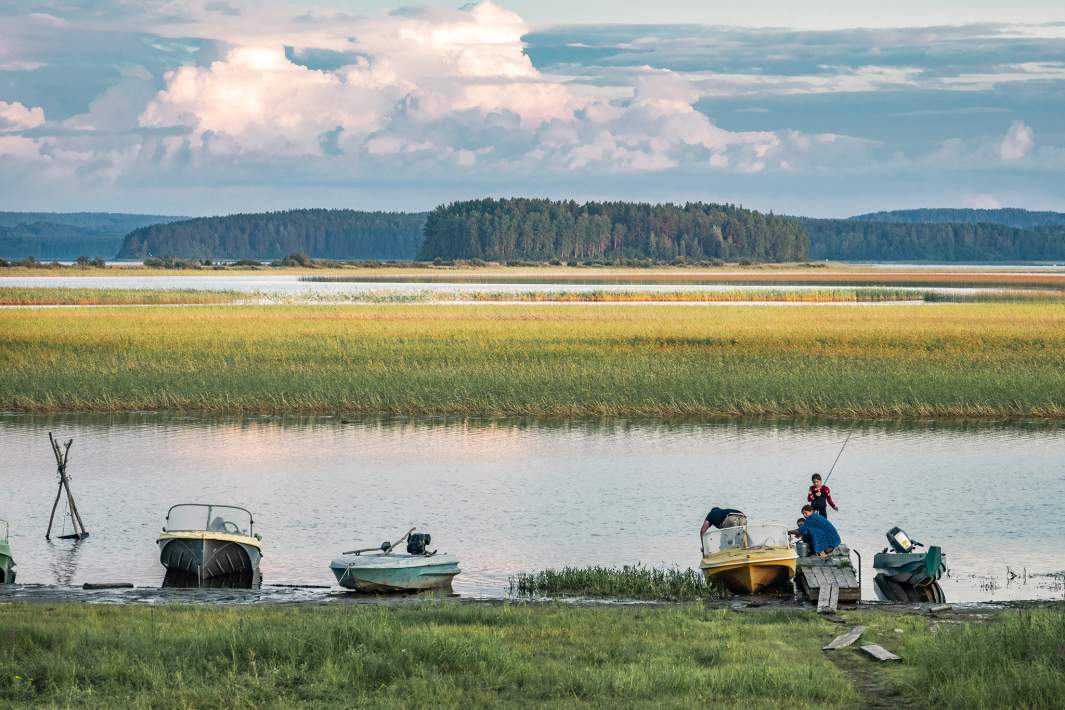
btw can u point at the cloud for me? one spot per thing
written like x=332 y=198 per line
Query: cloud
x=1017 y=143
x=15 y=115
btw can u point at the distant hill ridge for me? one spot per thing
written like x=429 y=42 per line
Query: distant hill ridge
x=320 y=233
x=68 y=235
x=1007 y=216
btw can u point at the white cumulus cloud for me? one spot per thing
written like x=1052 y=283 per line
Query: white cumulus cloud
x=1017 y=143
x=15 y=115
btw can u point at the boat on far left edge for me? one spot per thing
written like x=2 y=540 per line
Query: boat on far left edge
x=208 y=545
x=7 y=561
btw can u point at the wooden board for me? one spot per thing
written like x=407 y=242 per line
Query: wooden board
x=844 y=640
x=880 y=653
x=828 y=598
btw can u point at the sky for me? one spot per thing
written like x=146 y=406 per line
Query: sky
x=832 y=108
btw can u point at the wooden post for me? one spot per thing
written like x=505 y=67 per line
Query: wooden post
x=62 y=456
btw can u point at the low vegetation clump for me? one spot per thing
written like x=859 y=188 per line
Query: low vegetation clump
x=969 y=360
x=628 y=582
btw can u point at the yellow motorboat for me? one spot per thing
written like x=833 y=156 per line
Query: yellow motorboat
x=749 y=558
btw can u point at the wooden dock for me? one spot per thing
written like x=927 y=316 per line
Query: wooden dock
x=828 y=581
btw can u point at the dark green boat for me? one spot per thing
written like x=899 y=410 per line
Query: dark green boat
x=903 y=574
x=7 y=562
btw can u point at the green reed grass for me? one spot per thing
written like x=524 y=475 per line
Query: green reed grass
x=602 y=360
x=628 y=582
x=446 y=655
x=31 y=296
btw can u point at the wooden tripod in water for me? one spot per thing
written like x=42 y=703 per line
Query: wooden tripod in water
x=62 y=455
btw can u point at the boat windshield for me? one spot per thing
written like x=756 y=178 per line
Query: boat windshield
x=745 y=536
x=3 y=529
x=212 y=518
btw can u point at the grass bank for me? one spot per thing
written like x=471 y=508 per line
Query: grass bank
x=953 y=360
x=456 y=655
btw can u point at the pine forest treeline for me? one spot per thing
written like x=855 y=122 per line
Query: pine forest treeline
x=540 y=230
x=321 y=233
x=854 y=240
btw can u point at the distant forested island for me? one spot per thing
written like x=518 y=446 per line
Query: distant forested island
x=520 y=229
x=319 y=233
x=68 y=235
x=540 y=230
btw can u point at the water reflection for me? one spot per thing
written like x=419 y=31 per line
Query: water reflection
x=63 y=561
x=514 y=495
x=176 y=579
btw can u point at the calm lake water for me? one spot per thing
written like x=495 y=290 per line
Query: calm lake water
x=509 y=495
x=291 y=286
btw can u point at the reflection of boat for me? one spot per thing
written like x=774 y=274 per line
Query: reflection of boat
x=903 y=574
x=7 y=562
x=178 y=579
x=748 y=558
x=205 y=541
x=384 y=570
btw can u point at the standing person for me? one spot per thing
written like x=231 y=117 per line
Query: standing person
x=823 y=536
x=820 y=496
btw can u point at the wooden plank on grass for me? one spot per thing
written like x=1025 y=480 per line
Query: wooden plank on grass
x=828 y=599
x=880 y=653
x=844 y=640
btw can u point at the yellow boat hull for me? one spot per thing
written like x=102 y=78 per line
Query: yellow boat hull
x=750 y=570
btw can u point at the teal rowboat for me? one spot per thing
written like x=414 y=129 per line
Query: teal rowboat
x=395 y=572
x=386 y=570
x=7 y=562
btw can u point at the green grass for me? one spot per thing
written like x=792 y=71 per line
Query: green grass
x=445 y=655
x=919 y=361
x=22 y=296
x=1015 y=661
x=629 y=582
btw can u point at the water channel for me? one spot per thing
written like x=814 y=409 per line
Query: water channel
x=513 y=495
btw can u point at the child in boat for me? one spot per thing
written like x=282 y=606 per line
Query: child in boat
x=820 y=497
x=823 y=536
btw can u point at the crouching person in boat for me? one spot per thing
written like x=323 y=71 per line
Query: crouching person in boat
x=820 y=534
x=722 y=519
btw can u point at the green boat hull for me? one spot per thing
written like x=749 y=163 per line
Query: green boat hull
x=916 y=569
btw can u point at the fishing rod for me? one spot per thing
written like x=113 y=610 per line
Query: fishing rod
x=838 y=455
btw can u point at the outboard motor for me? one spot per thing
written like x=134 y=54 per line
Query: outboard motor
x=900 y=542
x=417 y=542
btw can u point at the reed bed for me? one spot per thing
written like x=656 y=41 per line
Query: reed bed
x=30 y=296
x=870 y=295
x=628 y=582
x=967 y=360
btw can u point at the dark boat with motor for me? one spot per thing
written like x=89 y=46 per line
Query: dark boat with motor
x=201 y=542
x=906 y=575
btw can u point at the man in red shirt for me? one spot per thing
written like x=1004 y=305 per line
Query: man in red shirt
x=820 y=497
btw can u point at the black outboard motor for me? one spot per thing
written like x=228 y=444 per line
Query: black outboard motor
x=417 y=542
x=900 y=542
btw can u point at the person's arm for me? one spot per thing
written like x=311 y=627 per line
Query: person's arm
x=828 y=497
x=810 y=496
x=704 y=528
